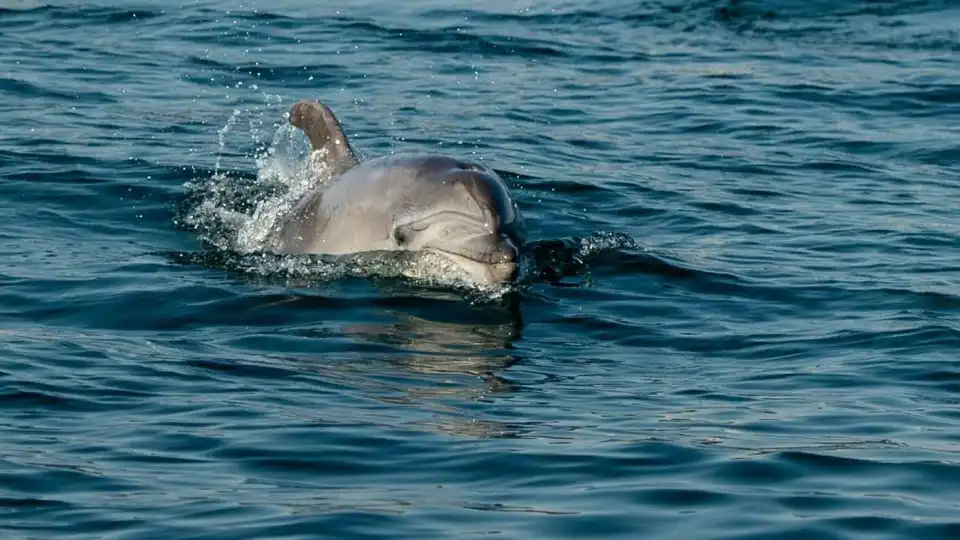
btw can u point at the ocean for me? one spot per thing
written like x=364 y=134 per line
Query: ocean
x=743 y=323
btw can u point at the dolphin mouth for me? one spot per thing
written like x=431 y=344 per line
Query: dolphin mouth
x=502 y=272
x=487 y=269
x=487 y=249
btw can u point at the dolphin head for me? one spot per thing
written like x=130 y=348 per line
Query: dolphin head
x=463 y=212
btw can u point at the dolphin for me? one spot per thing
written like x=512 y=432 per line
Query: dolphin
x=426 y=203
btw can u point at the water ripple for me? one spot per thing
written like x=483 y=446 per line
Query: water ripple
x=738 y=322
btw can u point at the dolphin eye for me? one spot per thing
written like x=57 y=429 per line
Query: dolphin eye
x=400 y=236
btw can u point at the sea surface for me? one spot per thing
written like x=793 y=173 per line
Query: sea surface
x=743 y=322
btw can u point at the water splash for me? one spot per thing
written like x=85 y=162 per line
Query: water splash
x=235 y=212
x=295 y=177
x=222 y=137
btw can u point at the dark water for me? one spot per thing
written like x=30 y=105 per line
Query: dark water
x=774 y=357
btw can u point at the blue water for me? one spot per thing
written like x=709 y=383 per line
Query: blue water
x=753 y=207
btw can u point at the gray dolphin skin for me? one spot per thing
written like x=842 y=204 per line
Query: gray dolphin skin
x=423 y=203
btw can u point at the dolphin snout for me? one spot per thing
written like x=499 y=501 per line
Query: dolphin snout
x=500 y=259
x=505 y=250
x=491 y=249
x=502 y=272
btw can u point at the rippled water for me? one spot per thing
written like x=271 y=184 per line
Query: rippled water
x=756 y=336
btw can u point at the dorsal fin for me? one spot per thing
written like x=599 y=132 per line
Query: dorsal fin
x=322 y=128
